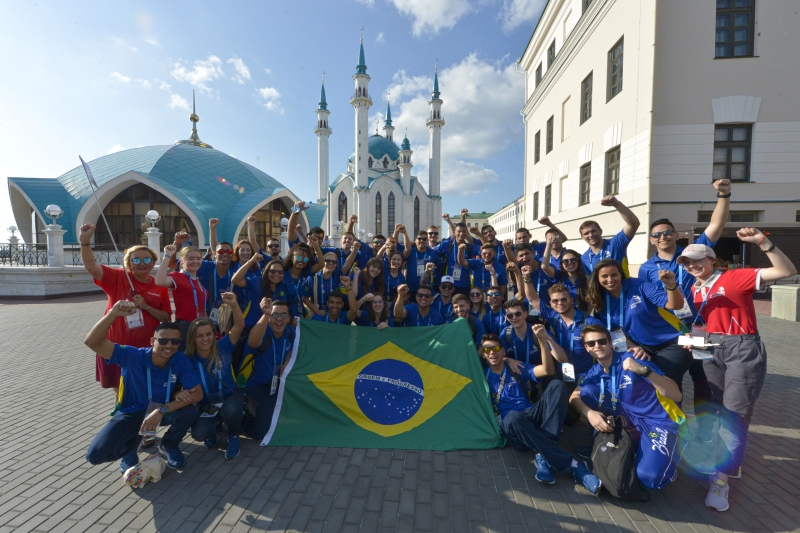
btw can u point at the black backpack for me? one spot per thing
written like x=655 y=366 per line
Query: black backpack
x=614 y=462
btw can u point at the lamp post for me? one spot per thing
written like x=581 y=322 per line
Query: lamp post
x=153 y=235
x=284 y=237
x=337 y=239
x=361 y=233
x=13 y=240
x=55 y=237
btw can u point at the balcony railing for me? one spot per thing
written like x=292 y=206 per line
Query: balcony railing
x=23 y=255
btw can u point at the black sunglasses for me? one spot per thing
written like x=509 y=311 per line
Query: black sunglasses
x=273 y=246
x=276 y=272
x=163 y=342
x=448 y=286
x=601 y=342
x=569 y=260
x=433 y=233
x=515 y=314
x=665 y=233
x=559 y=300
x=424 y=295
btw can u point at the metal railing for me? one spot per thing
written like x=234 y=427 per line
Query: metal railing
x=104 y=254
x=24 y=255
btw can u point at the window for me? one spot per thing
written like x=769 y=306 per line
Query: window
x=369 y=162
x=390 y=211
x=416 y=215
x=538 y=75
x=586 y=4
x=732 y=152
x=586 y=183
x=549 y=147
x=551 y=54
x=342 y=206
x=612 y=171
x=378 y=211
x=586 y=98
x=385 y=162
x=537 y=144
x=733 y=216
x=797 y=216
x=547 y=197
x=734 y=31
x=566 y=119
x=268 y=223
x=615 y=69
x=536 y=205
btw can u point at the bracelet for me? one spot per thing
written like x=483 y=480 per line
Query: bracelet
x=763 y=238
x=672 y=289
x=86 y=244
x=723 y=195
x=526 y=279
x=771 y=247
x=167 y=256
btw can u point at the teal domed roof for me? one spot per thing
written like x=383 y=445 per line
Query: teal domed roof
x=380 y=146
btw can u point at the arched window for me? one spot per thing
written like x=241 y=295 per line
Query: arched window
x=416 y=215
x=342 y=206
x=378 y=211
x=369 y=162
x=390 y=208
x=385 y=162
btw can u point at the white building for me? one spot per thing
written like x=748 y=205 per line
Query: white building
x=377 y=184
x=509 y=219
x=649 y=100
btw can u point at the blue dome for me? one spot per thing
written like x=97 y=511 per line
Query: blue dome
x=406 y=144
x=380 y=146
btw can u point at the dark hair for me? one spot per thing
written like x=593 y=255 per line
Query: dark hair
x=316 y=230
x=491 y=337
x=266 y=290
x=661 y=221
x=168 y=325
x=220 y=243
x=514 y=303
x=336 y=294
x=523 y=230
x=367 y=279
x=523 y=246
x=426 y=287
x=596 y=291
x=239 y=244
x=299 y=247
x=551 y=231
x=394 y=253
x=384 y=316
x=422 y=234
x=461 y=225
x=582 y=285
x=589 y=223
x=594 y=328
x=485 y=227
x=495 y=287
x=281 y=303
x=379 y=236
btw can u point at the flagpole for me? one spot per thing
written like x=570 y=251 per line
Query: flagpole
x=92 y=185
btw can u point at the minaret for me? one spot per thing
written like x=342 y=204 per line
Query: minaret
x=388 y=129
x=405 y=165
x=435 y=124
x=194 y=139
x=361 y=103
x=323 y=132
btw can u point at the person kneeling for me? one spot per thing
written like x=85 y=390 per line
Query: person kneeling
x=619 y=385
x=148 y=376
x=529 y=426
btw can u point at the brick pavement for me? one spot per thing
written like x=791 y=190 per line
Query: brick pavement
x=49 y=418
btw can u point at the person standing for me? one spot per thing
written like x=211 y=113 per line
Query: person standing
x=461 y=310
x=451 y=249
x=418 y=257
x=486 y=271
x=615 y=248
x=188 y=293
x=418 y=314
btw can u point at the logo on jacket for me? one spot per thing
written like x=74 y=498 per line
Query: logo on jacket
x=635 y=300
x=659 y=440
x=626 y=380
x=720 y=292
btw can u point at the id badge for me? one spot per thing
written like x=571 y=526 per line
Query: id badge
x=699 y=331
x=276 y=380
x=457 y=273
x=568 y=371
x=214 y=316
x=532 y=311
x=700 y=353
x=684 y=312
x=136 y=320
x=618 y=340
x=420 y=269
x=152 y=406
x=213 y=409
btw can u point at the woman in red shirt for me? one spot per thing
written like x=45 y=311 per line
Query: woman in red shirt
x=152 y=300
x=188 y=293
x=736 y=372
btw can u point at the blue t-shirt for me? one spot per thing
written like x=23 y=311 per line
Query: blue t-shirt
x=252 y=294
x=569 y=337
x=525 y=350
x=300 y=289
x=500 y=253
x=449 y=248
x=614 y=248
x=264 y=363
x=482 y=278
x=324 y=287
x=214 y=284
x=413 y=317
x=363 y=320
x=512 y=396
x=636 y=396
x=135 y=364
x=341 y=319
x=644 y=318
x=391 y=283
x=495 y=322
x=444 y=309
x=219 y=384
x=480 y=331
x=416 y=267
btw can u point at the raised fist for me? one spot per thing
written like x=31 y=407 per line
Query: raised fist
x=181 y=237
x=723 y=186
x=257 y=258
x=753 y=235
x=402 y=289
x=464 y=212
x=445 y=216
x=398 y=227
x=544 y=221
x=489 y=268
x=251 y=219
x=462 y=248
x=345 y=281
x=430 y=267
x=526 y=270
x=357 y=246
x=229 y=298
x=539 y=331
x=667 y=277
x=213 y=223
x=609 y=201
x=124 y=308
x=353 y=219
x=553 y=239
x=266 y=306
x=356 y=271
x=509 y=243
x=170 y=249
x=369 y=297
x=474 y=230
x=87 y=230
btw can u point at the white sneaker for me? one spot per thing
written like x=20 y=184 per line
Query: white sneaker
x=717 y=497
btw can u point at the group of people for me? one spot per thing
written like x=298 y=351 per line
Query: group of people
x=561 y=334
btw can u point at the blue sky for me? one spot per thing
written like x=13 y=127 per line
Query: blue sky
x=90 y=78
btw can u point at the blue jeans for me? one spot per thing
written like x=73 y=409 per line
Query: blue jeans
x=231 y=412
x=258 y=426
x=120 y=436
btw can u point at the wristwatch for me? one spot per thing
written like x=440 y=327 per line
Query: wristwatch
x=723 y=195
x=164 y=409
x=647 y=371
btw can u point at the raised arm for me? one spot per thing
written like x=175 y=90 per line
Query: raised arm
x=212 y=233
x=546 y=222
x=251 y=234
x=180 y=238
x=508 y=249
x=162 y=280
x=238 y=319
x=461 y=259
x=547 y=367
x=720 y=215
x=352 y=313
x=351 y=224
x=464 y=213
x=238 y=278
x=631 y=221
x=257 y=332
x=664 y=385
x=450 y=225
x=291 y=229
x=348 y=263
x=87 y=255
x=96 y=338
x=320 y=256
x=547 y=268
x=399 y=308
x=674 y=294
x=782 y=266
x=528 y=287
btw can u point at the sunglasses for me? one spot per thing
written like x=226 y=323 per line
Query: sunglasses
x=490 y=349
x=424 y=295
x=280 y=316
x=474 y=295
x=420 y=239
x=569 y=261
x=448 y=286
x=275 y=272
x=559 y=300
x=433 y=233
x=225 y=252
x=601 y=342
x=139 y=260
x=273 y=246
x=302 y=258
x=377 y=243
x=491 y=294
x=164 y=342
x=665 y=233
x=331 y=261
x=515 y=314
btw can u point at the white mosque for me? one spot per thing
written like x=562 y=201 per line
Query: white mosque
x=378 y=185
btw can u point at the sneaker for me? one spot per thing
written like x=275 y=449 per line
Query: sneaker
x=717 y=497
x=233 y=447
x=582 y=475
x=544 y=474
x=175 y=458
x=738 y=474
x=210 y=442
x=128 y=460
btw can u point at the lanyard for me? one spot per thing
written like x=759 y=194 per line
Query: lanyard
x=621 y=308
x=227 y=281
x=614 y=389
x=705 y=301
x=564 y=328
x=596 y=257
x=150 y=386
x=500 y=387
x=194 y=293
x=203 y=380
x=419 y=317
x=276 y=368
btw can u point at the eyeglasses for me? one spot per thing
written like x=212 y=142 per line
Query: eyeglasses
x=164 y=342
x=489 y=349
x=665 y=233
x=491 y=294
x=515 y=314
x=433 y=233
x=139 y=260
x=422 y=239
x=225 y=252
x=273 y=246
x=559 y=300
x=601 y=342
x=424 y=295
x=377 y=243
x=275 y=272
x=474 y=295
x=448 y=286
x=331 y=261
x=569 y=261
x=280 y=316
x=302 y=258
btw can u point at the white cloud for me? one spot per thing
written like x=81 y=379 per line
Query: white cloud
x=368 y=3
x=242 y=72
x=268 y=71
x=177 y=101
x=272 y=99
x=115 y=148
x=143 y=84
x=380 y=38
x=515 y=13
x=120 y=42
x=120 y=77
x=433 y=15
x=164 y=86
x=151 y=40
x=201 y=73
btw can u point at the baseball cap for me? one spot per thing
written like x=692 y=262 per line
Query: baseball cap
x=448 y=279
x=696 y=251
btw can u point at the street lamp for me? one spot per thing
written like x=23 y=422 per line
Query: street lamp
x=54 y=212
x=370 y=235
x=12 y=230
x=337 y=224
x=284 y=223
x=153 y=217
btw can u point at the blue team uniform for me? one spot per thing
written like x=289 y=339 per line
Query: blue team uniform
x=444 y=309
x=449 y=248
x=416 y=267
x=391 y=283
x=495 y=322
x=525 y=350
x=613 y=248
x=413 y=317
x=513 y=397
x=300 y=289
x=214 y=284
x=480 y=331
x=482 y=278
x=363 y=320
x=220 y=383
x=321 y=288
x=569 y=337
x=643 y=316
x=264 y=364
x=341 y=319
x=252 y=294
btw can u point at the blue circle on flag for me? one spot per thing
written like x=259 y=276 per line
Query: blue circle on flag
x=389 y=391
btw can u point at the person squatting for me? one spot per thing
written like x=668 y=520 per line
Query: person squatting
x=561 y=335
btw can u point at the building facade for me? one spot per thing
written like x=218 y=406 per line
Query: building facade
x=509 y=219
x=651 y=101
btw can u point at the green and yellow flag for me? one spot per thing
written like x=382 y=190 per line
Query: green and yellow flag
x=407 y=388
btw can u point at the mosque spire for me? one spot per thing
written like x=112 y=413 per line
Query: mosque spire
x=323 y=104
x=361 y=68
x=194 y=139
x=388 y=121
x=435 y=93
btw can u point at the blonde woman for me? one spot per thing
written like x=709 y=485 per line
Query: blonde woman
x=188 y=293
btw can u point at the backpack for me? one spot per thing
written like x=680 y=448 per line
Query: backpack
x=614 y=462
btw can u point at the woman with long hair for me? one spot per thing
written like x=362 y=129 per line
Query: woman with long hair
x=393 y=275
x=637 y=310
x=477 y=303
x=572 y=274
x=372 y=279
x=270 y=284
x=376 y=314
x=295 y=266
x=242 y=253
x=222 y=400
x=188 y=293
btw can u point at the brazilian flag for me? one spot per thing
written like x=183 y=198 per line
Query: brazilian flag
x=408 y=388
